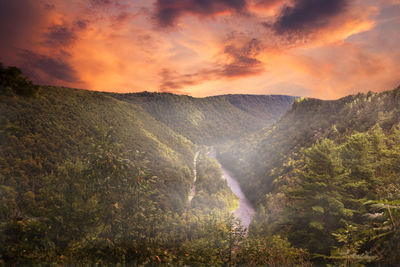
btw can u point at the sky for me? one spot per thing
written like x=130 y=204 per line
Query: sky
x=314 y=48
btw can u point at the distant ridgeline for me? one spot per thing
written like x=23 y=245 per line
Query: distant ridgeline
x=92 y=177
x=211 y=120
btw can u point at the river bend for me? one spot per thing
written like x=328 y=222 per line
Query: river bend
x=245 y=211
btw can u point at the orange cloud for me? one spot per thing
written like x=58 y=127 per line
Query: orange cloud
x=253 y=46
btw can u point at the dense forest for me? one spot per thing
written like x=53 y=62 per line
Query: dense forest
x=99 y=178
x=326 y=176
x=90 y=177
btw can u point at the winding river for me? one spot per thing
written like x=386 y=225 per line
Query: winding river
x=245 y=211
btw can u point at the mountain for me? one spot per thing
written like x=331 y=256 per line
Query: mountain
x=97 y=177
x=92 y=177
x=60 y=124
x=326 y=177
x=307 y=121
x=211 y=120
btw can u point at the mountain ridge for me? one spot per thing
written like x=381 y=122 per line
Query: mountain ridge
x=99 y=177
x=308 y=120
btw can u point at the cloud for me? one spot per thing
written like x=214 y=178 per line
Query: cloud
x=304 y=16
x=265 y=4
x=239 y=60
x=104 y=2
x=243 y=60
x=112 y=45
x=81 y=24
x=169 y=11
x=171 y=81
x=108 y=5
x=18 y=20
x=45 y=69
x=61 y=35
x=390 y=12
x=101 y=2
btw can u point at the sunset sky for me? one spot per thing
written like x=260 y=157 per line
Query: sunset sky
x=316 y=48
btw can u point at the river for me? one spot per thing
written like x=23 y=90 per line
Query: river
x=245 y=211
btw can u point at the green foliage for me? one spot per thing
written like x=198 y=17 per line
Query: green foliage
x=217 y=243
x=336 y=190
x=60 y=125
x=102 y=206
x=211 y=189
x=72 y=193
x=318 y=202
x=311 y=173
x=382 y=236
x=272 y=251
x=11 y=78
x=347 y=253
x=98 y=178
x=261 y=158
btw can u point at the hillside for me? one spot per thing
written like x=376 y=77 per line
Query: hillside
x=96 y=177
x=61 y=124
x=57 y=125
x=211 y=120
x=326 y=176
x=90 y=177
x=307 y=121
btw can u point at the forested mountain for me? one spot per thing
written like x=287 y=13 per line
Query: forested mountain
x=256 y=156
x=326 y=176
x=98 y=177
x=102 y=178
x=211 y=120
x=60 y=124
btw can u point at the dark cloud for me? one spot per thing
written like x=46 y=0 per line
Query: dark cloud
x=18 y=19
x=304 y=16
x=115 y=12
x=266 y=3
x=60 y=35
x=171 y=81
x=101 y=2
x=49 y=6
x=81 y=24
x=64 y=35
x=243 y=61
x=121 y=18
x=21 y=24
x=48 y=70
x=168 y=11
x=108 y=3
x=390 y=12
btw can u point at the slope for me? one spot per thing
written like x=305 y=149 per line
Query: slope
x=211 y=120
x=61 y=124
x=263 y=154
x=326 y=177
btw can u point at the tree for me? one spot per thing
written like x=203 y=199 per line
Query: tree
x=11 y=77
x=271 y=251
x=317 y=202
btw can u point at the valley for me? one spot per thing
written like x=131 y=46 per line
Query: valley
x=200 y=133
x=91 y=177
